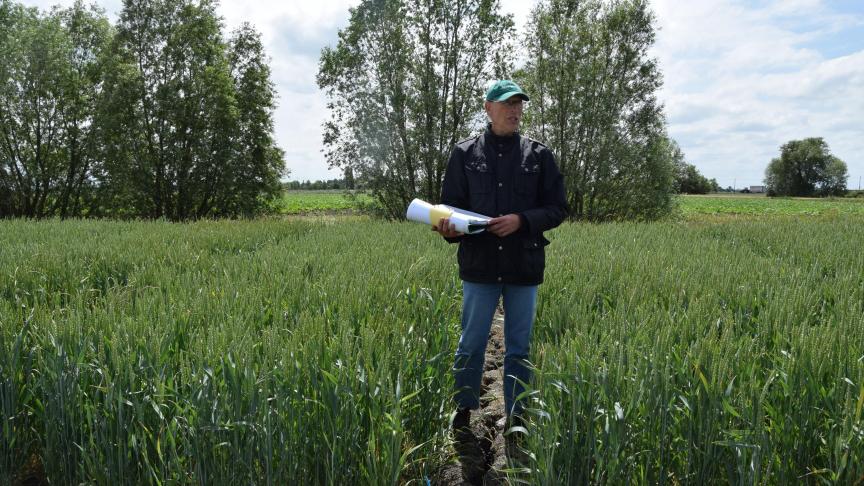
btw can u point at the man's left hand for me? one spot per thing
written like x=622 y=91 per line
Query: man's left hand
x=504 y=225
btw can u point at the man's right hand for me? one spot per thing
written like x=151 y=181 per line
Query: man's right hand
x=446 y=229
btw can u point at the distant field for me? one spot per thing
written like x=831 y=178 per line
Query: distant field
x=336 y=201
x=764 y=206
x=300 y=202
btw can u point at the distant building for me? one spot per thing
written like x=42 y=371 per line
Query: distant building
x=757 y=189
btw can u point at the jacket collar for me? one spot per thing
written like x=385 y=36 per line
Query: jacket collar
x=499 y=140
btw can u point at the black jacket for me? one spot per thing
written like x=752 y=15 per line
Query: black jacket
x=495 y=176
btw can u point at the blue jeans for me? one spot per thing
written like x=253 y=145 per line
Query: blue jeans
x=478 y=308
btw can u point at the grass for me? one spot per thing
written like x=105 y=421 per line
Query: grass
x=761 y=206
x=221 y=353
x=702 y=353
x=278 y=351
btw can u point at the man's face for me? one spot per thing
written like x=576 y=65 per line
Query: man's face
x=505 y=115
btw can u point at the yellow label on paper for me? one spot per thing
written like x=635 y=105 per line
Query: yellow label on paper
x=438 y=212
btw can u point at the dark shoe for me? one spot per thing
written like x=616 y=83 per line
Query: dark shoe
x=468 y=449
x=462 y=419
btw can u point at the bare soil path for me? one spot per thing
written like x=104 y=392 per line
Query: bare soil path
x=487 y=423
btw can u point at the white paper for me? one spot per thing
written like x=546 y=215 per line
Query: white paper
x=418 y=211
x=465 y=221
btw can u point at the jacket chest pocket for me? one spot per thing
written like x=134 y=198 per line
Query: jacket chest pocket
x=527 y=183
x=479 y=188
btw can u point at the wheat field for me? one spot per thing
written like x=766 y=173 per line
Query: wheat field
x=274 y=351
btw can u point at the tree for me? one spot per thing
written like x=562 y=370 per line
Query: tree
x=32 y=65
x=176 y=87
x=593 y=99
x=688 y=179
x=349 y=178
x=6 y=175
x=806 y=168
x=834 y=178
x=404 y=84
x=160 y=118
x=258 y=162
x=48 y=76
x=89 y=35
x=187 y=118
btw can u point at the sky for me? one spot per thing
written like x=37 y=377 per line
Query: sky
x=741 y=78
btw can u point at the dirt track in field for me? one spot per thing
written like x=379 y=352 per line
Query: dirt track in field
x=487 y=423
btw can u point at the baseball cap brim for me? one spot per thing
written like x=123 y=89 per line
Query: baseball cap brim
x=510 y=94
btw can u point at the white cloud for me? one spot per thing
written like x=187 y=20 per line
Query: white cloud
x=293 y=34
x=308 y=18
x=741 y=80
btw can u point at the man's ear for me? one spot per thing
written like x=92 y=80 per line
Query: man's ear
x=486 y=106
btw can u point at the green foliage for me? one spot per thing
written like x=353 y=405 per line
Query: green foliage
x=404 y=84
x=321 y=353
x=806 y=168
x=636 y=187
x=257 y=161
x=688 y=179
x=834 y=178
x=50 y=78
x=318 y=185
x=593 y=99
x=188 y=124
x=161 y=118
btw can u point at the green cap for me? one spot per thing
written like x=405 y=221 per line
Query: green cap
x=504 y=89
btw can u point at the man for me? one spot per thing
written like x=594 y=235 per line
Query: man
x=503 y=174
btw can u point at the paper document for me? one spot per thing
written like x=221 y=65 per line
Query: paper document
x=465 y=221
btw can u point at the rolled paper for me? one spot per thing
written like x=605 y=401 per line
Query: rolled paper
x=418 y=211
x=437 y=212
x=464 y=221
